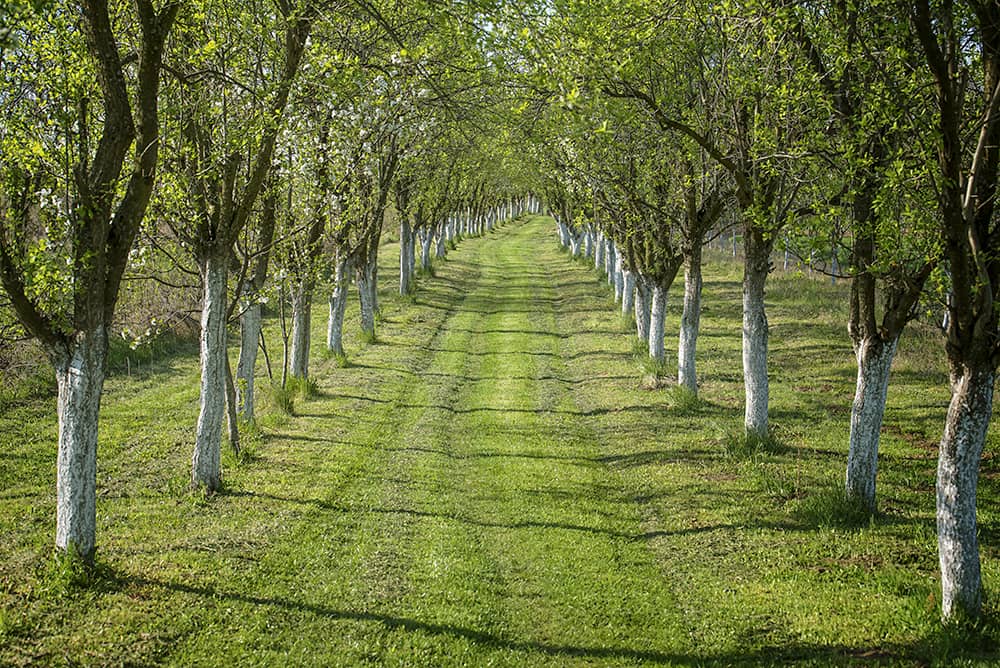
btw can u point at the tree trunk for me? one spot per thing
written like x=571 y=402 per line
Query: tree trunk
x=405 y=245
x=367 y=306
x=205 y=468
x=609 y=261
x=874 y=362
x=957 y=477
x=250 y=326
x=440 y=245
x=80 y=378
x=232 y=415
x=599 y=251
x=619 y=278
x=657 y=320
x=588 y=243
x=690 y=321
x=426 y=238
x=338 y=303
x=574 y=241
x=301 y=322
x=628 y=293
x=642 y=308
x=755 y=269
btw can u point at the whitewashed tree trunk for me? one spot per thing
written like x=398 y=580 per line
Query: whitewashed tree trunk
x=755 y=336
x=411 y=254
x=957 y=479
x=205 y=466
x=338 y=304
x=574 y=243
x=628 y=293
x=301 y=321
x=441 y=250
x=80 y=379
x=405 y=246
x=609 y=261
x=588 y=242
x=657 y=321
x=619 y=277
x=599 y=251
x=642 y=308
x=250 y=327
x=874 y=362
x=367 y=305
x=426 y=238
x=687 y=342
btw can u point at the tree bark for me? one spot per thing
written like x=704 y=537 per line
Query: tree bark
x=755 y=333
x=441 y=250
x=642 y=308
x=599 y=251
x=609 y=261
x=657 y=320
x=619 y=278
x=957 y=478
x=80 y=379
x=426 y=238
x=874 y=363
x=628 y=293
x=690 y=321
x=205 y=467
x=405 y=234
x=250 y=328
x=338 y=303
x=301 y=323
x=367 y=305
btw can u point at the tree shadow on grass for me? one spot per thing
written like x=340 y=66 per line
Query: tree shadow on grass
x=937 y=647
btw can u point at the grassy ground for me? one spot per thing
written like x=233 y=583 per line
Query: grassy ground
x=489 y=484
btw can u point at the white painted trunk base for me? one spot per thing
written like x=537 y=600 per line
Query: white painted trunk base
x=755 y=334
x=657 y=321
x=338 y=304
x=874 y=363
x=205 y=466
x=80 y=379
x=642 y=308
x=628 y=293
x=687 y=340
x=301 y=323
x=250 y=326
x=957 y=479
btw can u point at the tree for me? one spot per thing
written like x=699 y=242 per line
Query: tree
x=960 y=46
x=88 y=231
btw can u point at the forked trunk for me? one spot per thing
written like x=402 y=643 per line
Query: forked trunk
x=301 y=321
x=338 y=303
x=250 y=326
x=755 y=333
x=874 y=362
x=80 y=379
x=205 y=467
x=957 y=477
x=687 y=342
x=657 y=320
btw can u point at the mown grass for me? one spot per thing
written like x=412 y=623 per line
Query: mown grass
x=494 y=484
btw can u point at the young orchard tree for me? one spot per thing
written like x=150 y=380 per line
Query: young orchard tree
x=79 y=149
x=229 y=108
x=883 y=196
x=752 y=129
x=960 y=47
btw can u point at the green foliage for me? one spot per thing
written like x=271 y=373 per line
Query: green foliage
x=741 y=443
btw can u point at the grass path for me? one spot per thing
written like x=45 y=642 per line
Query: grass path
x=488 y=484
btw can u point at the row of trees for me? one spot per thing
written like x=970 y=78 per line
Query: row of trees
x=871 y=127
x=251 y=151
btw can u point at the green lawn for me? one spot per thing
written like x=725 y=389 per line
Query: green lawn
x=490 y=484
